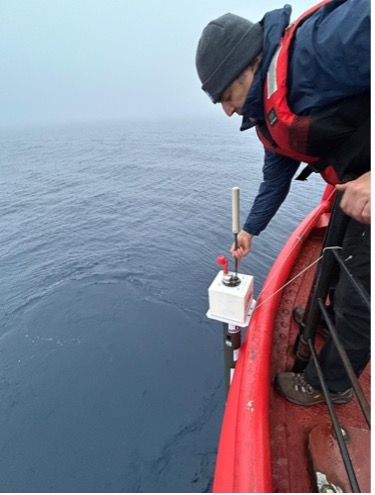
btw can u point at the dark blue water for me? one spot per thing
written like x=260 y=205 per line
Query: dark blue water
x=111 y=376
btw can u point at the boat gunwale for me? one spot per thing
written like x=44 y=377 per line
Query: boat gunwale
x=244 y=456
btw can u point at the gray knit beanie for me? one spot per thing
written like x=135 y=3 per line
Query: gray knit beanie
x=226 y=47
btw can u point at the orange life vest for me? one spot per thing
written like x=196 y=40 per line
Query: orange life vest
x=311 y=138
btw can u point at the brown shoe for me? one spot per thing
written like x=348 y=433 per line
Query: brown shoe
x=299 y=313
x=294 y=388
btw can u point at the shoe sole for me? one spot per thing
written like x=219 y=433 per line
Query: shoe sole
x=335 y=401
x=320 y=401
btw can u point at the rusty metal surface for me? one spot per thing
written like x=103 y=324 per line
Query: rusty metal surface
x=326 y=461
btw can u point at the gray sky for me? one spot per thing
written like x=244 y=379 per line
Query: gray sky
x=73 y=60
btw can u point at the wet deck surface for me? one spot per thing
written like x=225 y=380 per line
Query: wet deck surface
x=291 y=424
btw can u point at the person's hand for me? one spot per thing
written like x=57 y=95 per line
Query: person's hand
x=243 y=245
x=356 y=200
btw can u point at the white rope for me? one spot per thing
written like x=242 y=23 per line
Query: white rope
x=298 y=275
x=289 y=282
x=299 y=239
x=331 y=247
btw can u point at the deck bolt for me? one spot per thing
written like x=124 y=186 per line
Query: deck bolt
x=328 y=489
x=324 y=486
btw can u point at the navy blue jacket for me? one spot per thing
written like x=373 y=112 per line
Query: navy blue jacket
x=330 y=60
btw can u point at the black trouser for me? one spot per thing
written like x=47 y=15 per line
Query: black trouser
x=352 y=318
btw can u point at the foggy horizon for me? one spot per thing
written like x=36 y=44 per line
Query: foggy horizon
x=115 y=60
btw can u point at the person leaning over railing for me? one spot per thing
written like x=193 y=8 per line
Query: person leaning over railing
x=305 y=87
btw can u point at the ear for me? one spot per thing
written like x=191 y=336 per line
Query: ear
x=244 y=75
x=256 y=63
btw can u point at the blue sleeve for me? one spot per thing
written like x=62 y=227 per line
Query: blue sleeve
x=278 y=172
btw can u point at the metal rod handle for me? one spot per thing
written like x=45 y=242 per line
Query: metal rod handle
x=235 y=210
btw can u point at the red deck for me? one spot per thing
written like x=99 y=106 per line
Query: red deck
x=264 y=444
x=292 y=470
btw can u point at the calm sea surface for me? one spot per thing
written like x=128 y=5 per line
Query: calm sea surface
x=111 y=376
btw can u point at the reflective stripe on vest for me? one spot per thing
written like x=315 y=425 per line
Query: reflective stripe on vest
x=286 y=132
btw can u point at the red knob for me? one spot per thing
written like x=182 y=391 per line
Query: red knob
x=222 y=260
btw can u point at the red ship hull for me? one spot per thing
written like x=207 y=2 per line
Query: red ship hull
x=266 y=443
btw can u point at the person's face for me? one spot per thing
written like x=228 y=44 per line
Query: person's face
x=233 y=98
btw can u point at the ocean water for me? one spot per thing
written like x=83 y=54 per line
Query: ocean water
x=111 y=376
